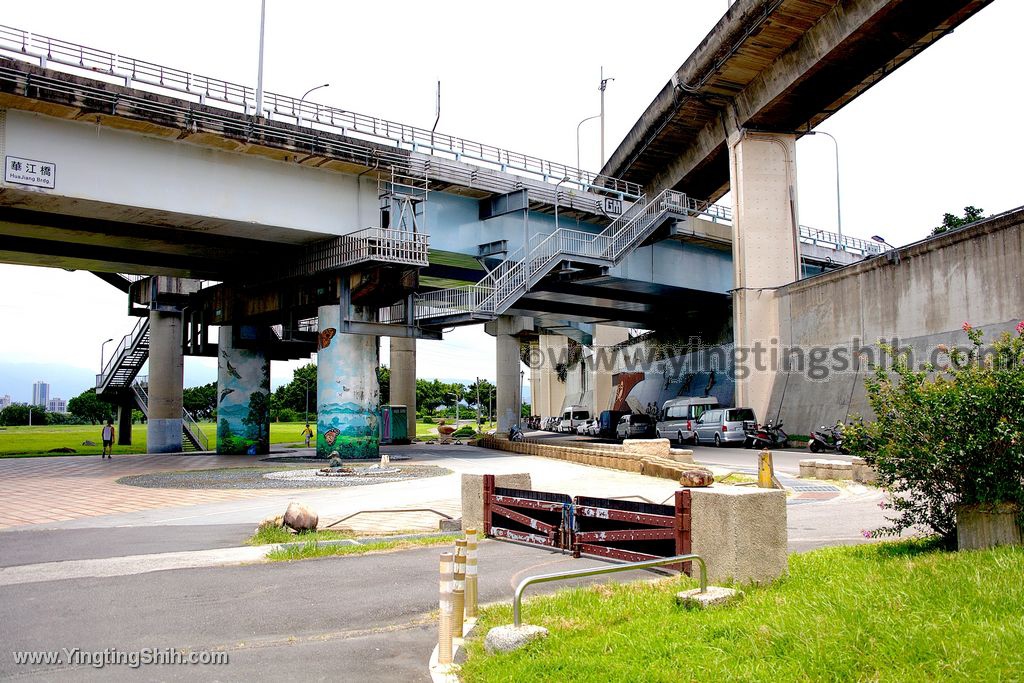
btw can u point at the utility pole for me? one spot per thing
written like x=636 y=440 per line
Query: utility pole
x=259 y=74
x=478 y=403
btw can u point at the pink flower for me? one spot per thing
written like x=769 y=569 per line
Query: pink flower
x=1020 y=327
x=865 y=533
x=967 y=327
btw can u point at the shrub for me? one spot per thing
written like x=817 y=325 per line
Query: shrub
x=948 y=436
x=428 y=420
x=464 y=431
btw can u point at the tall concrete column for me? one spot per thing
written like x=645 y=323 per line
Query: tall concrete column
x=347 y=391
x=765 y=252
x=243 y=395
x=124 y=422
x=403 y=377
x=507 y=329
x=166 y=374
x=605 y=339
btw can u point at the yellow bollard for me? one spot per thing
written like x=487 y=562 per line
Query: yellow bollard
x=472 y=585
x=459 y=588
x=444 y=634
x=766 y=471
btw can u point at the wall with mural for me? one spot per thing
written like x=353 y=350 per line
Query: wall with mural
x=348 y=394
x=243 y=398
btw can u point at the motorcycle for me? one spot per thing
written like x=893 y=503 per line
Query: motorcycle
x=515 y=433
x=827 y=439
x=769 y=435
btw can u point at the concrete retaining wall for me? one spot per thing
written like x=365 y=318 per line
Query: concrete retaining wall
x=968 y=275
x=651 y=457
x=857 y=470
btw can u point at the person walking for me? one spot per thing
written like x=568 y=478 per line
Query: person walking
x=108 y=440
x=308 y=433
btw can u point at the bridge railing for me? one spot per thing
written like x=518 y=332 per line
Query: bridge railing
x=52 y=51
x=122 y=351
x=833 y=240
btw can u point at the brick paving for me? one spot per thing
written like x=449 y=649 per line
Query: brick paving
x=56 y=489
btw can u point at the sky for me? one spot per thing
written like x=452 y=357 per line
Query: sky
x=933 y=137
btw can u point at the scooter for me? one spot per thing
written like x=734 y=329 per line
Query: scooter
x=515 y=433
x=827 y=439
x=768 y=436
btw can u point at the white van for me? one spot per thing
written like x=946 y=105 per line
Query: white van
x=573 y=417
x=678 y=416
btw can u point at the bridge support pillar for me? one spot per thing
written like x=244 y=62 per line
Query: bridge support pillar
x=403 y=377
x=506 y=329
x=765 y=254
x=243 y=393
x=166 y=374
x=124 y=422
x=347 y=391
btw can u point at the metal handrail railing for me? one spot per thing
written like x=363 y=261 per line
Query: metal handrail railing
x=836 y=241
x=74 y=57
x=122 y=350
x=140 y=387
x=610 y=569
x=193 y=428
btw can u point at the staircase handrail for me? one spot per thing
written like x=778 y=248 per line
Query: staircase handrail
x=122 y=350
x=192 y=427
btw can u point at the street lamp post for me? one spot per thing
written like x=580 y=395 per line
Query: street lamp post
x=102 y=347
x=839 y=208
x=604 y=84
x=589 y=118
x=259 y=73
x=306 y=383
x=895 y=251
x=298 y=114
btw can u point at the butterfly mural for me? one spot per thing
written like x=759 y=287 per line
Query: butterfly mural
x=331 y=435
x=326 y=336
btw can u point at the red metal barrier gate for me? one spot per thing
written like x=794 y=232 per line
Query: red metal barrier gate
x=603 y=527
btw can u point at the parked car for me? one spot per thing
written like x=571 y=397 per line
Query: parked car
x=679 y=415
x=607 y=421
x=634 y=426
x=594 y=428
x=573 y=417
x=584 y=428
x=550 y=424
x=723 y=426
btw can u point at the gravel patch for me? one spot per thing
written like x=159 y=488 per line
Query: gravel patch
x=282 y=478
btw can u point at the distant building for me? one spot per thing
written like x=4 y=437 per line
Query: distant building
x=5 y=401
x=40 y=393
x=56 y=405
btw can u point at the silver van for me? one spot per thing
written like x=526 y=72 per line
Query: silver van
x=723 y=426
x=679 y=415
x=573 y=417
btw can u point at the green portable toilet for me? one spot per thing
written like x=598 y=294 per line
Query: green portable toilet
x=394 y=424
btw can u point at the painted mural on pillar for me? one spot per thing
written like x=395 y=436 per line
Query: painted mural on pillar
x=243 y=399
x=348 y=394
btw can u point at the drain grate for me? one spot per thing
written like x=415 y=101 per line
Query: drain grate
x=815 y=487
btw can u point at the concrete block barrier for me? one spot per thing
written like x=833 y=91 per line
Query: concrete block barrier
x=740 y=532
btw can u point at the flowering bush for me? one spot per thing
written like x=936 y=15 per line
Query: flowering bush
x=949 y=436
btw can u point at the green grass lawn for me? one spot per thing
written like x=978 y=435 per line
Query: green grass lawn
x=312 y=549
x=893 y=612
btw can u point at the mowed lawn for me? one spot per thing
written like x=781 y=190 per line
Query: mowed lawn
x=37 y=440
x=880 y=612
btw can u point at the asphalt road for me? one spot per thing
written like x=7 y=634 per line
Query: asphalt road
x=360 y=618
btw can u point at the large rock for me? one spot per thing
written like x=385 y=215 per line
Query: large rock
x=300 y=518
x=694 y=478
x=508 y=638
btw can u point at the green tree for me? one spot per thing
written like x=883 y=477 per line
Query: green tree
x=201 y=401
x=293 y=394
x=430 y=394
x=88 y=406
x=951 y=222
x=259 y=411
x=18 y=414
x=487 y=391
x=384 y=380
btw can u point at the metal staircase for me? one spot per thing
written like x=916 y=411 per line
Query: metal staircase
x=128 y=358
x=513 y=277
x=193 y=438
